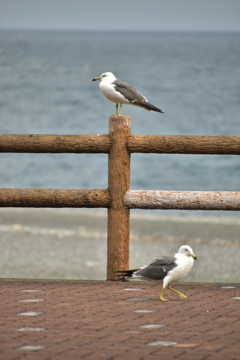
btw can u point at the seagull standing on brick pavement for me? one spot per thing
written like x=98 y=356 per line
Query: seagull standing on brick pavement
x=165 y=269
x=120 y=92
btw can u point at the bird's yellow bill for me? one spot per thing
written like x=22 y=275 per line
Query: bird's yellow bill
x=193 y=256
x=96 y=78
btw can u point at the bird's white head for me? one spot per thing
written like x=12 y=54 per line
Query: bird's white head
x=188 y=251
x=107 y=76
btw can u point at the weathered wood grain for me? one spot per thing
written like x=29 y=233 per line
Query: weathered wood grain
x=54 y=198
x=77 y=144
x=118 y=184
x=171 y=144
x=182 y=200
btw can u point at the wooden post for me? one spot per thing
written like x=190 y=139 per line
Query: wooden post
x=118 y=184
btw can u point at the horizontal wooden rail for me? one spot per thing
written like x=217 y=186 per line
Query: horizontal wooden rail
x=55 y=143
x=173 y=144
x=168 y=144
x=54 y=198
x=182 y=200
x=133 y=199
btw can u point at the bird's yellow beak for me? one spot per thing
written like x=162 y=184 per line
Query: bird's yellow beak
x=193 y=256
x=96 y=78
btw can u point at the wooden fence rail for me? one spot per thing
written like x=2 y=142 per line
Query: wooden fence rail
x=171 y=144
x=55 y=144
x=92 y=144
x=182 y=200
x=118 y=198
x=54 y=198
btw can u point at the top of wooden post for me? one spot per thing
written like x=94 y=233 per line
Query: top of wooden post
x=119 y=122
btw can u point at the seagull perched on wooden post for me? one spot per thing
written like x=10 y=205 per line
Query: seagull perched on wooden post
x=165 y=269
x=120 y=92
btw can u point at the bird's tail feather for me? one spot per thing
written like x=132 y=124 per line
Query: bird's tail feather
x=146 y=105
x=125 y=273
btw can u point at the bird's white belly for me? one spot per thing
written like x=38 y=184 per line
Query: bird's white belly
x=111 y=94
x=180 y=271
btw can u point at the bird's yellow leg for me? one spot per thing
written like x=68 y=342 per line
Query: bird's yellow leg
x=120 y=109
x=177 y=292
x=161 y=294
x=117 y=109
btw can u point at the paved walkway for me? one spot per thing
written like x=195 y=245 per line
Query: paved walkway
x=49 y=320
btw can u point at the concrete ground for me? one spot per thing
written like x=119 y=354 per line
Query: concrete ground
x=49 y=320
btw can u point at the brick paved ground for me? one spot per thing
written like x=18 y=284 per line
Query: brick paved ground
x=105 y=320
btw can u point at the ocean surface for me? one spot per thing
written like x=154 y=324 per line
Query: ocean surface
x=46 y=88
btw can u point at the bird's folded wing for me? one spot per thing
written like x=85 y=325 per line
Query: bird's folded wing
x=158 y=269
x=128 y=91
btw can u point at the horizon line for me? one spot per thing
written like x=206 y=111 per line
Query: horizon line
x=119 y=30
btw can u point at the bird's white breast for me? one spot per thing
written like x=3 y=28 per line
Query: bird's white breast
x=111 y=94
x=184 y=265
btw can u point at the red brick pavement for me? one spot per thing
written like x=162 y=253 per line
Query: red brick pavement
x=101 y=320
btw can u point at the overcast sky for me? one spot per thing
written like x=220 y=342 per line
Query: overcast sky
x=173 y=15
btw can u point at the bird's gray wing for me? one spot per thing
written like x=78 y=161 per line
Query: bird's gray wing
x=133 y=96
x=128 y=91
x=158 y=269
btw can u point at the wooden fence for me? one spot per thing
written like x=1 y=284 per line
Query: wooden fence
x=118 y=198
